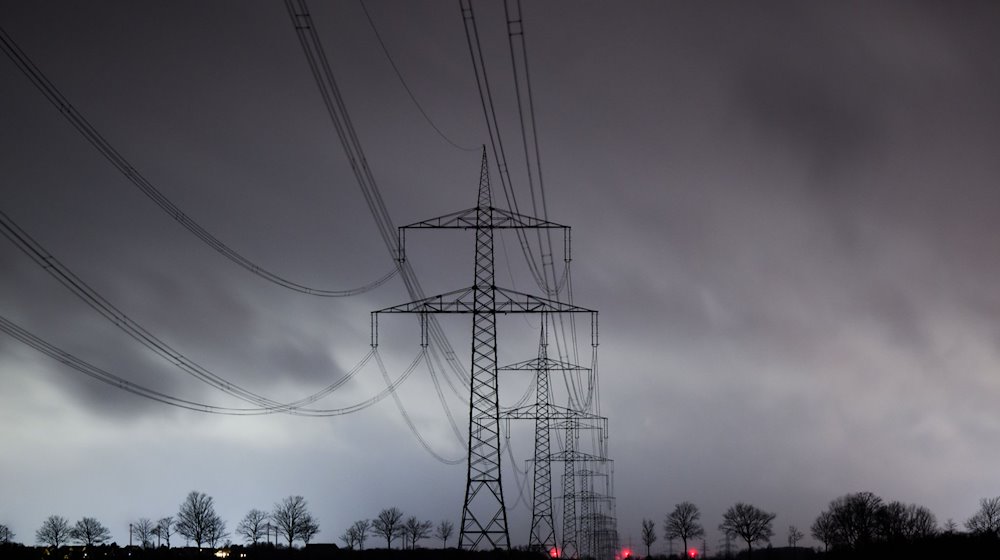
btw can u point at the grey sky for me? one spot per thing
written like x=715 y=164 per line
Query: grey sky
x=786 y=214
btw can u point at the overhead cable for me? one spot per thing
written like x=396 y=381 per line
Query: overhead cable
x=298 y=11
x=35 y=75
x=54 y=352
x=406 y=416
x=55 y=268
x=409 y=92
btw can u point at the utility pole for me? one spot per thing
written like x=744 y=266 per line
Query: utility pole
x=484 y=515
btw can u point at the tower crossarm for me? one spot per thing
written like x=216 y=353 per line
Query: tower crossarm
x=473 y=218
x=499 y=219
x=578 y=456
x=536 y=364
x=552 y=412
x=505 y=302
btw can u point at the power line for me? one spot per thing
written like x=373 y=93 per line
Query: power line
x=35 y=75
x=22 y=335
x=298 y=11
x=409 y=92
x=43 y=258
x=406 y=416
x=493 y=128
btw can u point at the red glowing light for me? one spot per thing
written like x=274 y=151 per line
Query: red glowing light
x=626 y=553
x=693 y=553
x=554 y=553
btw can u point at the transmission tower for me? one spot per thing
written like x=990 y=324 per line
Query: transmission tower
x=542 y=534
x=484 y=516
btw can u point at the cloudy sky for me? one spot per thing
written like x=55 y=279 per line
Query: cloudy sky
x=786 y=214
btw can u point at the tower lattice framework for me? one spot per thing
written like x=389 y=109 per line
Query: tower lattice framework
x=484 y=515
x=547 y=416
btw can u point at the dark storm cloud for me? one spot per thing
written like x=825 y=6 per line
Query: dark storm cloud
x=785 y=212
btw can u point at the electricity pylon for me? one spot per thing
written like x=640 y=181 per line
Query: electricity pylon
x=484 y=516
x=542 y=534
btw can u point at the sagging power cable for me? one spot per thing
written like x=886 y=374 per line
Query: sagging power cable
x=56 y=98
x=55 y=268
x=406 y=87
x=22 y=335
x=298 y=11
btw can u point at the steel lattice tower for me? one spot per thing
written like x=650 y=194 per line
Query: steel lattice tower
x=542 y=535
x=484 y=515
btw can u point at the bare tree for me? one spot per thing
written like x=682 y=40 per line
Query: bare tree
x=414 y=530
x=794 y=536
x=309 y=531
x=950 y=527
x=388 y=524
x=920 y=522
x=143 y=530
x=823 y=531
x=361 y=528
x=444 y=530
x=751 y=523
x=252 y=526
x=648 y=533
x=197 y=520
x=682 y=523
x=293 y=520
x=987 y=519
x=6 y=535
x=54 y=531
x=349 y=537
x=216 y=532
x=164 y=528
x=855 y=520
x=89 y=531
x=356 y=534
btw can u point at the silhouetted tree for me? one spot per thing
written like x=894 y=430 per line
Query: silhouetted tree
x=216 y=532
x=164 y=528
x=361 y=528
x=309 y=531
x=444 y=530
x=682 y=523
x=986 y=521
x=89 y=531
x=197 y=520
x=950 y=527
x=142 y=531
x=293 y=520
x=414 y=530
x=648 y=533
x=794 y=536
x=54 y=531
x=349 y=538
x=823 y=531
x=388 y=524
x=252 y=526
x=920 y=523
x=751 y=523
x=855 y=519
x=356 y=534
x=6 y=535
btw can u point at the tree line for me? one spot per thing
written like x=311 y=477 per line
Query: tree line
x=389 y=525
x=854 y=525
x=196 y=521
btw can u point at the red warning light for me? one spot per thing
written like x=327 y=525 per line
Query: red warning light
x=626 y=553
x=554 y=553
x=693 y=553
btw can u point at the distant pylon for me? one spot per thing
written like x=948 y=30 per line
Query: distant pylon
x=547 y=416
x=484 y=515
